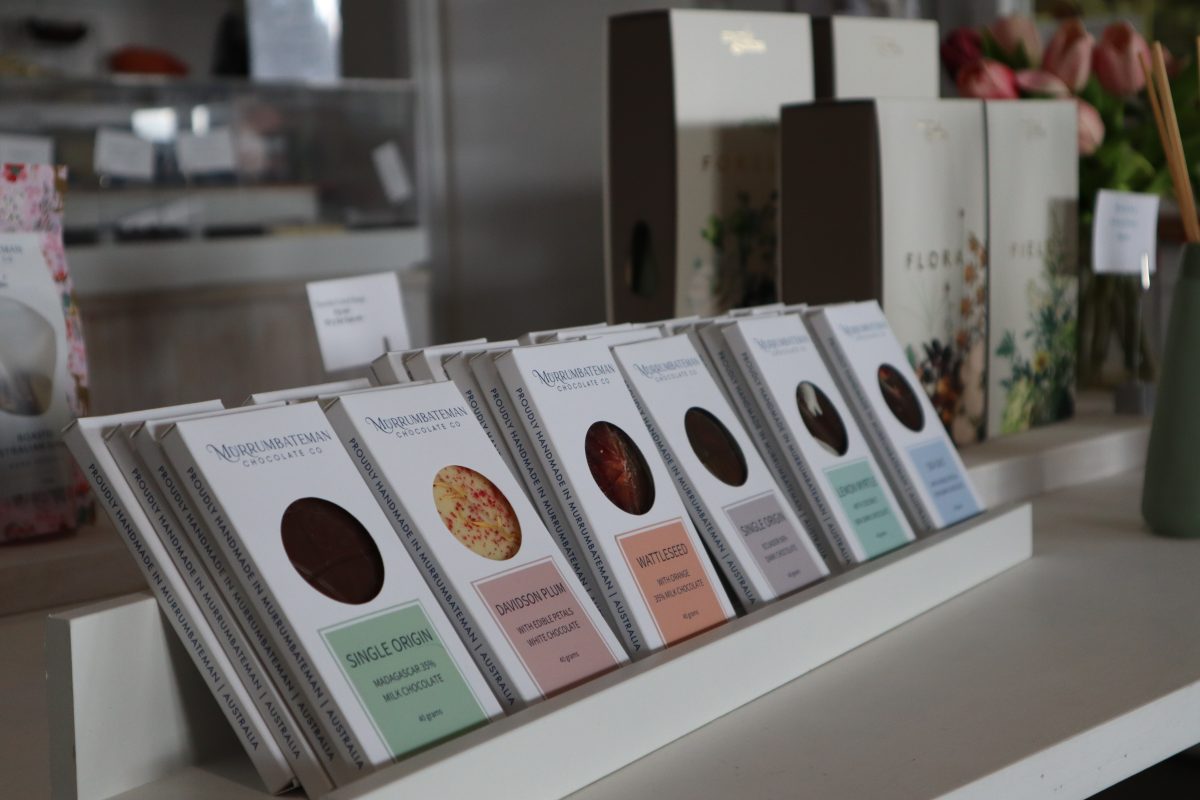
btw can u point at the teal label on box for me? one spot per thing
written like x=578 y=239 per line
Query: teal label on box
x=872 y=517
x=944 y=481
x=405 y=680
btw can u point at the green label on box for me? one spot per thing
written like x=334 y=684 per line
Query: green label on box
x=871 y=515
x=405 y=680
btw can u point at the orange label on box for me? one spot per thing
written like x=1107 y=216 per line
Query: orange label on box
x=668 y=570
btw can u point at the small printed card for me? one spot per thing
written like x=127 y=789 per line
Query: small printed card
x=354 y=317
x=206 y=153
x=393 y=175
x=1125 y=228
x=123 y=155
x=22 y=149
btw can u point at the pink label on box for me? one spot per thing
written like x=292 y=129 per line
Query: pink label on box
x=540 y=613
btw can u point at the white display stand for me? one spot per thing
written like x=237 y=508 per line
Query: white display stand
x=129 y=719
x=127 y=711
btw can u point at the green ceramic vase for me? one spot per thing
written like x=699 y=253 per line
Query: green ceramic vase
x=1171 y=492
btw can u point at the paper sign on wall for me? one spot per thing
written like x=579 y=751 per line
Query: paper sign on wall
x=354 y=317
x=1125 y=228
x=123 y=155
x=20 y=149
x=389 y=166
x=202 y=153
x=295 y=40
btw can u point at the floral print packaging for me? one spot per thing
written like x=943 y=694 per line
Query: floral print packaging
x=43 y=363
x=1033 y=209
x=887 y=200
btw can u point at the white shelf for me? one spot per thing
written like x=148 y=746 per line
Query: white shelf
x=204 y=206
x=1080 y=666
x=87 y=564
x=614 y=720
x=1056 y=679
x=121 y=268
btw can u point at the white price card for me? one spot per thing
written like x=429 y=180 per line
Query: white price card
x=389 y=166
x=294 y=40
x=123 y=155
x=206 y=153
x=20 y=149
x=1124 y=229
x=355 y=316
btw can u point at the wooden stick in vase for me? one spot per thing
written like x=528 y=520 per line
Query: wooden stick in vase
x=1180 y=175
x=1156 y=109
x=1163 y=135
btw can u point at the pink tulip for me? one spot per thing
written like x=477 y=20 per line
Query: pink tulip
x=1091 y=127
x=1039 y=83
x=1069 y=54
x=1016 y=33
x=1117 y=59
x=961 y=47
x=987 y=80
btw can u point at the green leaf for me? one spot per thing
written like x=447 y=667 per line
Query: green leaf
x=1008 y=346
x=993 y=50
x=1092 y=92
x=1022 y=57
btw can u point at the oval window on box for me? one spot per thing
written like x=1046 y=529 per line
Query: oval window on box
x=332 y=550
x=900 y=398
x=619 y=468
x=822 y=419
x=715 y=446
x=476 y=512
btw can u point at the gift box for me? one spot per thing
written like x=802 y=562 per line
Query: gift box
x=887 y=200
x=1033 y=292
x=871 y=57
x=43 y=363
x=692 y=178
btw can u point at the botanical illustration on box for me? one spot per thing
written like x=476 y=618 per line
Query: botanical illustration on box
x=728 y=205
x=1039 y=386
x=952 y=364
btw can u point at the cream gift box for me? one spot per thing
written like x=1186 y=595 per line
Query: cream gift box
x=740 y=393
x=302 y=394
x=873 y=57
x=583 y=332
x=458 y=369
x=84 y=438
x=897 y=419
x=390 y=368
x=674 y=325
x=221 y=619
x=737 y=508
x=342 y=598
x=615 y=338
x=429 y=364
x=146 y=440
x=845 y=494
x=1033 y=188
x=536 y=337
x=537 y=481
x=692 y=178
x=478 y=540
x=649 y=565
x=886 y=200
x=43 y=370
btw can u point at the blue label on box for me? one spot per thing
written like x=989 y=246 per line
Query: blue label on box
x=944 y=481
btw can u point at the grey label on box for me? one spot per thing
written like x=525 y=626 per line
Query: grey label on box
x=774 y=541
